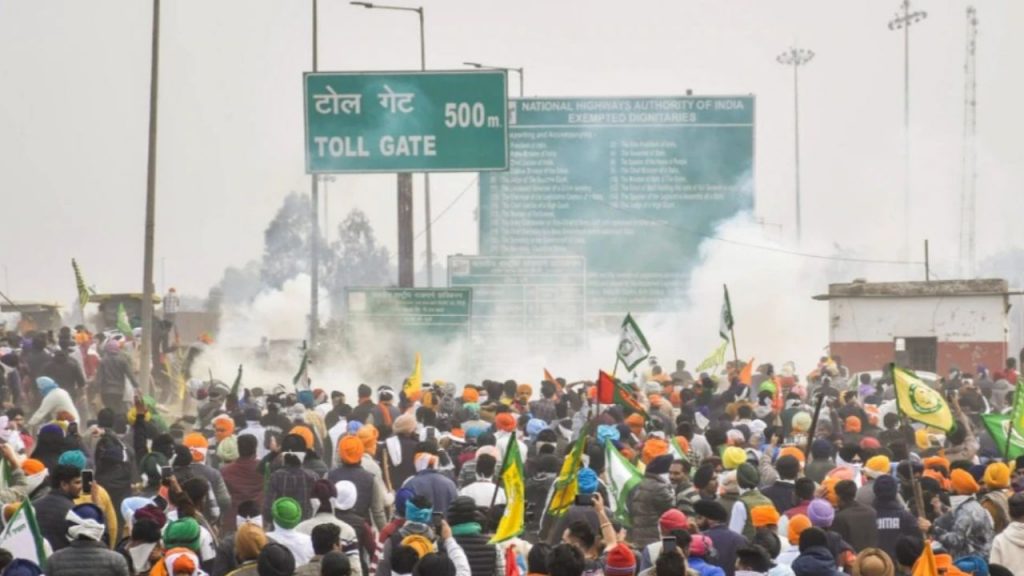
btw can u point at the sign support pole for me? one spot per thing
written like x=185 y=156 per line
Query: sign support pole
x=145 y=361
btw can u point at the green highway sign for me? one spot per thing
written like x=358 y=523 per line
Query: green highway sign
x=632 y=185
x=522 y=306
x=439 y=313
x=453 y=121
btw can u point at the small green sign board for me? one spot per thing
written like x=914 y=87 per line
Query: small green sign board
x=522 y=306
x=453 y=121
x=439 y=313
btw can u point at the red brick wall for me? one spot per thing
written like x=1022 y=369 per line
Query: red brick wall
x=859 y=356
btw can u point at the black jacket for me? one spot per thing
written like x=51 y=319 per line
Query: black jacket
x=857 y=524
x=51 y=515
x=782 y=494
x=86 y=558
x=481 y=555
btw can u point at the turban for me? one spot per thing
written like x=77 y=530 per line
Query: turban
x=937 y=462
x=524 y=390
x=32 y=466
x=765 y=515
x=505 y=422
x=660 y=465
x=183 y=533
x=369 y=435
x=794 y=452
x=821 y=513
x=46 y=385
x=351 y=449
x=921 y=439
x=852 y=424
x=75 y=458
x=711 y=509
x=586 y=481
x=469 y=394
x=801 y=422
x=152 y=513
x=404 y=424
x=997 y=476
x=249 y=540
x=620 y=561
x=747 y=476
x=305 y=433
x=869 y=443
x=732 y=457
x=535 y=426
x=419 y=543
x=287 y=512
x=223 y=426
x=227 y=450
x=606 y=432
x=653 y=448
x=797 y=524
x=963 y=482
x=197 y=444
x=346 y=494
x=877 y=466
x=873 y=562
x=635 y=423
x=275 y=560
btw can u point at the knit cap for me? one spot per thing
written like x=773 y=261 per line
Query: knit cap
x=287 y=512
x=821 y=513
x=620 y=561
x=671 y=520
x=462 y=510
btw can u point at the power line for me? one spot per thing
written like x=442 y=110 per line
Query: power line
x=449 y=206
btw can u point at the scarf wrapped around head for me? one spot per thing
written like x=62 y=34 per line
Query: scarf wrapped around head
x=417 y=515
x=425 y=460
x=85 y=521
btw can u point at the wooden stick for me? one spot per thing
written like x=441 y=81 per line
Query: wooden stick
x=814 y=423
x=915 y=484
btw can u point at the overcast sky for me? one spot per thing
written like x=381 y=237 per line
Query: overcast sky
x=74 y=81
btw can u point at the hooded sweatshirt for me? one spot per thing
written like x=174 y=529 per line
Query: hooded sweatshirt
x=815 y=561
x=1008 y=548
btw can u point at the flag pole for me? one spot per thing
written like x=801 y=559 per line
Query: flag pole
x=504 y=463
x=615 y=369
x=915 y=484
x=735 y=354
x=814 y=423
x=1013 y=417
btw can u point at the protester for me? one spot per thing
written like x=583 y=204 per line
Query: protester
x=1008 y=545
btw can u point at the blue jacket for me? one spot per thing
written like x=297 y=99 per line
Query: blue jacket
x=703 y=568
x=440 y=489
x=815 y=561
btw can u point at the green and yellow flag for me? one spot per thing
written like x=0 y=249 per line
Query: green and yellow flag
x=565 y=485
x=123 y=325
x=1008 y=429
x=83 y=292
x=714 y=360
x=414 y=383
x=514 y=518
x=920 y=402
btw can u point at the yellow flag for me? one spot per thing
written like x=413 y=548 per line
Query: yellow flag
x=414 y=383
x=513 y=520
x=565 y=485
x=925 y=565
x=920 y=402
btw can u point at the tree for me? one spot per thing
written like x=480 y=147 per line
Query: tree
x=286 y=243
x=240 y=285
x=357 y=259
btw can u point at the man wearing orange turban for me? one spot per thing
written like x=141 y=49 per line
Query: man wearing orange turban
x=967 y=528
x=370 y=492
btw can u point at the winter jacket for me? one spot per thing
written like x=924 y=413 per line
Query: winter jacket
x=1008 y=548
x=857 y=524
x=403 y=447
x=369 y=497
x=726 y=543
x=221 y=501
x=544 y=409
x=966 y=529
x=67 y=374
x=782 y=494
x=892 y=520
x=815 y=561
x=817 y=469
x=651 y=498
x=430 y=483
x=703 y=568
x=243 y=482
x=114 y=369
x=51 y=516
x=484 y=559
x=86 y=558
x=573 y=514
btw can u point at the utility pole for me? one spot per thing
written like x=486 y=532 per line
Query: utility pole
x=406 y=258
x=968 y=192
x=903 y=20
x=314 y=234
x=145 y=361
x=520 y=71
x=796 y=57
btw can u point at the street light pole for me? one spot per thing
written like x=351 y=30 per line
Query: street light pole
x=519 y=71
x=796 y=57
x=405 y=237
x=903 y=20
x=145 y=361
x=314 y=235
